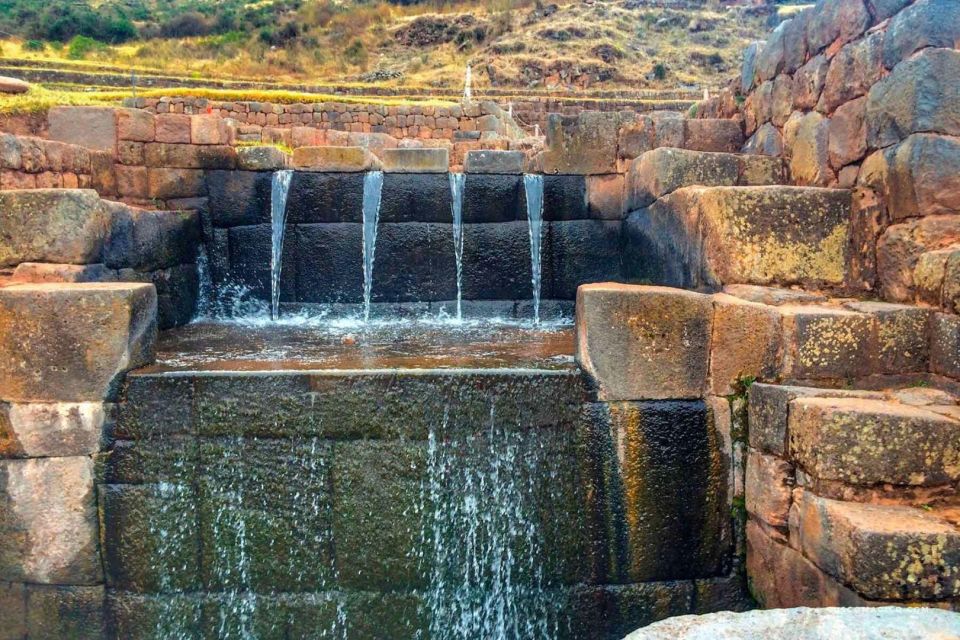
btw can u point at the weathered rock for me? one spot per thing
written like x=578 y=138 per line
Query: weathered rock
x=795 y=41
x=51 y=225
x=51 y=430
x=901 y=245
x=147 y=240
x=809 y=152
x=854 y=69
x=847 y=136
x=13 y=85
x=769 y=406
x=606 y=196
x=748 y=70
x=261 y=158
x=807 y=624
x=74 y=612
x=48 y=523
x=766 y=141
x=823 y=342
x=91 y=127
x=831 y=20
x=166 y=184
x=415 y=160
x=491 y=161
x=189 y=156
x=902 y=334
x=640 y=342
x=882 y=552
x=172 y=128
x=661 y=171
x=808 y=82
x=72 y=342
x=209 y=129
x=914 y=99
x=586 y=144
x=135 y=124
x=768 y=488
x=773 y=295
x=746 y=343
x=770 y=60
x=926 y=23
x=883 y=9
x=52 y=272
x=923 y=177
x=868 y=442
x=945 y=345
x=335 y=159
x=721 y=135
x=929 y=274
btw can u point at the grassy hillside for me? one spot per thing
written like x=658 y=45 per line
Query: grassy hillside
x=509 y=43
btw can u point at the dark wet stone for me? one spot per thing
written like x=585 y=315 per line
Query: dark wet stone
x=160 y=459
x=582 y=251
x=325 y=197
x=493 y=198
x=416 y=197
x=65 y=612
x=414 y=262
x=133 y=615
x=564 y=198
x=250 y=251
x=238 y=197
x=649 y=254
x=329 y=264
x=496 y=261
x=154 y=405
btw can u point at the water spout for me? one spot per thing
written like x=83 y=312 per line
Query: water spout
x=456 y=198
x=372 y=189
x=467 y=88
x=279 y=188
x=533 y=187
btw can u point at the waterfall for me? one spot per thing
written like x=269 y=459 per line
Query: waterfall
x=456 y=194
x=533 y=187
x=467 y=89
x=204 y=284
x=279 y=188
x=372 y=189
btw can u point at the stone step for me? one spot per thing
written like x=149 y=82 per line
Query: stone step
x=662 y=171
x=706 y=237
x=881 y=552
x=864 y=442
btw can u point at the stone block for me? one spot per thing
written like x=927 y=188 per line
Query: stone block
x=769 y=407
x=900 y=247
x=853 y=71
x=831 y=20
x=768 y=488
x=48 y=521
x=822 y=342
x=166 y=184
x=496 y=262
x=136 y=125
x=335 y=159
x=847 y=137
x=579 y=252
x=189 y=156
x=808 y=82
x=243 y=197
x=51 y=429
x=173 y=128
x=52 y=225
x=415 y=262
x=664 y=170
x=882 y=552
x=746 y=343
x=748 y=70
x=584 y=145
x=73 y=342
x=945 y=345
x=91 y=127
x=926 y=23
x=639 y=342
x=102 y=173
x=502 y=198
x=406 y=197
x=13 y=603
x=766 y=141
x=262 y=158
x=249 y=260
x=902 y=336
x=491 y=161
x=74 y=612
x=425 y=160
x=208 y=129
x=147 y=240
x=769 y=61
x=809 y=151
x=923 y=177
x=913 y=99
x=132 y=182
x=52 y=272
x=718 y=135
x=326 y=262
x=606 y=197
x=867 y=442
x=929 y=274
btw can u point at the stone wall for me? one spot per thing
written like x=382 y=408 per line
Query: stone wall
x=36 y=163
x=860 y=94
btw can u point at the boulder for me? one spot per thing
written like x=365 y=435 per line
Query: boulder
x=795 y=41
x=48 y=521
x=91 y=127
x=847 y=136
x=52 y=225
x=766 y=141
x=926 y=23
x=883 y=9
x=901 y=245
x=640 y=342
x=809 y=152
x=492 y=161
x=415 y=160
x=335 y=159
x=748 y=70
x=13 y=85
x=831 y=20
x=73 y=342
x=853 y=71
x=262 y=158
x=923 y=177
x=915 y=99
x=808 y=82
x=51 y=429
x=770 y=60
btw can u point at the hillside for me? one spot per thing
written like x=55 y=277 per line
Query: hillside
x=509 y=43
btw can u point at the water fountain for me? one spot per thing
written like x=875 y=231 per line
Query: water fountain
x=372 y=192
x=533 y=188
x=279 y=189
x=457 y=182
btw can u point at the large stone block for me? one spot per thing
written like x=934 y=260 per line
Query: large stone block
x=243 y=197
x=406 y=197
x=148 y=240
x=914 y=99
x=769 y=61
x=720 y=135
x=414 y=262
x=250 y=254
x=494 y=198
x=902 y=336
x=900 y=247
x=923 y=177
x=831 y=20
x=868 y=442
x=135 y=124
x=641 y=342
x=91 y=127
x=52 y=225
x=57 y=612
x=327 y=264
x=496 y=262
x=426 y=160
x=746 y=343
x=586 y=144
x=945 y=345
x=926 y=23
x=166 y=184
x=73 y=342
x=808 y=82
x=768 y=488
x=847 y=137
x=48 y=521
x=335 y=159
x=189 y=156
x=492 y=161
x=51 y=430
x=853 y=71
x=823 y=342
x=579 y=252
x=882 y=552
x=262 y=158
x=810 y=152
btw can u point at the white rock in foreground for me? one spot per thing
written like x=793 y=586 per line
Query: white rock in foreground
x=886 y=623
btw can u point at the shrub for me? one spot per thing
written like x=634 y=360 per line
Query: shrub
x=186 y=25
x=659 y=71
x=356 y=53
x=80 y=47
x=34 y=45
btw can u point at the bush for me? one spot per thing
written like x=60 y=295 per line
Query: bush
x=34 y=45
x=186 y=25
x=659 y=71
x=356 y=54
x=80 y=47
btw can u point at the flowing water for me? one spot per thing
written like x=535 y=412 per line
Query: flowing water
x=279 y=188
x=372 y=189
x=533 y=187
x=457 y=181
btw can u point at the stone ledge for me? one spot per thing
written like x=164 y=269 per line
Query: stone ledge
x=335 y=159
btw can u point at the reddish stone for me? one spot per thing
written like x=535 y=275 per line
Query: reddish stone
x=853 y=71
x=901 y=245
x=847 y=137
x=135 y=124
x=769 y=486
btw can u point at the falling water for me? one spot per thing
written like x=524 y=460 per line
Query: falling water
x=372 y=188
x=279 y=188
x=467 y=88
x=205 y=284
x=533 y=187
x=456 y=192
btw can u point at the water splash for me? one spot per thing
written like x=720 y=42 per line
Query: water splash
x=533 y=187
x=279 y=189
x=457 y=181
x=204 y=284
x=372 y=190
x=467 y=85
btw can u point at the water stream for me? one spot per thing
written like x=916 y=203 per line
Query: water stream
x=457 y=181
x=279 y=188
x=533 y=187
x=372 y=189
